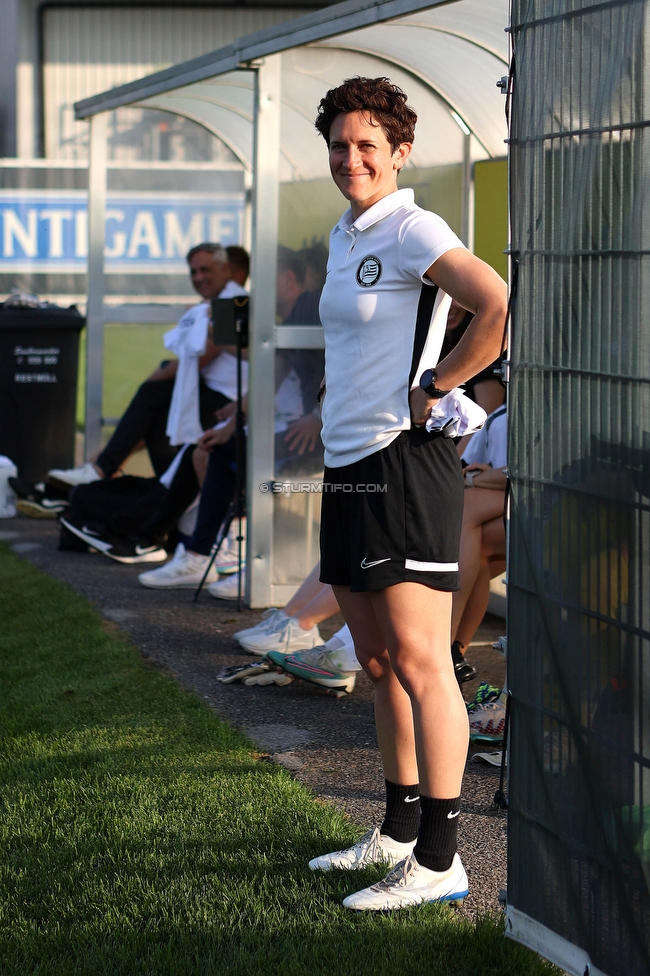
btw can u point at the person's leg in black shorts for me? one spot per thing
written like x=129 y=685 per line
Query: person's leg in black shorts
x=391 y=555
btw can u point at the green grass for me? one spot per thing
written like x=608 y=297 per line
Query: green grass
x=141 y=835
x=131 y=353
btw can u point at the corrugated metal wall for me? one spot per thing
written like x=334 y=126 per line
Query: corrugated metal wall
x=88 y=50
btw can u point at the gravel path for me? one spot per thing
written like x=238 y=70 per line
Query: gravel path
x=328 y=744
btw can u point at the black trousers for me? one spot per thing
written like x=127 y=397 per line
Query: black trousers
x=145 y=419
x=216 y=495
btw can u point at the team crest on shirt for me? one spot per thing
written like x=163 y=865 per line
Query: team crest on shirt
x=369 y=271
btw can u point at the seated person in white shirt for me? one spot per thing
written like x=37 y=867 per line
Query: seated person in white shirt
x=214 y=273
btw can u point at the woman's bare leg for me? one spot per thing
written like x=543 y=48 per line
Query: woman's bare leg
x=481 y=505
x=312 y=602
x=493 y=543
x=402 y=638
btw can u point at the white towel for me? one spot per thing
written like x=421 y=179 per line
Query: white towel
x=188 y=340
x=456 y=415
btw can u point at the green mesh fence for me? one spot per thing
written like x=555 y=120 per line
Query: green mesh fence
x=579 y=551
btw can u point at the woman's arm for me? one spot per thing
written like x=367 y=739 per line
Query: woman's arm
x=474 y=285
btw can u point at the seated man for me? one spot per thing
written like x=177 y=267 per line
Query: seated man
x=214 y=274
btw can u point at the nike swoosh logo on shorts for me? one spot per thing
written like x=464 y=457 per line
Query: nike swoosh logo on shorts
x=450 y=816
x=411 y=799
x=366 y=565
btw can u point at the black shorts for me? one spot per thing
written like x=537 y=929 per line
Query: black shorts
x=395 y=516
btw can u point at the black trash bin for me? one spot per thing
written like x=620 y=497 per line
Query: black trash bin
x=39 y=355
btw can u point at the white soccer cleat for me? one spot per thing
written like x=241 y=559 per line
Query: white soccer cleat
x=410 y=884
x=372 y=848
x=185 y=569
x=70 y=477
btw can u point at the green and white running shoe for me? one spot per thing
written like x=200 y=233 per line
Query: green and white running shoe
x=410 y=884
x=372 y=848
x=317 y=665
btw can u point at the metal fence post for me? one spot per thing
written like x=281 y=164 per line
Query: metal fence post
x=261 y=395
x=95 y=279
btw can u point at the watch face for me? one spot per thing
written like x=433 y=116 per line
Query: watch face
x=427 y=378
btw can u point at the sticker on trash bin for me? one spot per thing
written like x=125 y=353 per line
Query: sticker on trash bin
x=35 y=378
x=36 y=357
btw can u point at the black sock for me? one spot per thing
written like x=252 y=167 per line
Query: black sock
x=436 y=844
x=457 y=655
x=402 y=818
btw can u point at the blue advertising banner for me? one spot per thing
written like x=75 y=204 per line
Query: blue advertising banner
x=47 y=230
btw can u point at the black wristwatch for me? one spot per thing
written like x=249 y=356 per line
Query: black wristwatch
x=428 y=384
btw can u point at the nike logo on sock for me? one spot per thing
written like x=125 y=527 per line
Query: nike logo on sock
x=450 y=816
x=366 y=565
x=411 y=799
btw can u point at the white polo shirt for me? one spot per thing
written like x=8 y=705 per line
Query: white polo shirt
x=375 y=275
x=490 y=444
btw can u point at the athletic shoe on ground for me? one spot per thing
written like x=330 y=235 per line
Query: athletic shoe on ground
x=93 y=534
x=71 y=477
x=39 y=509
x=487 y=721
x=184 y=570
x=38 y=499
x=270 y=621
x=226 y=589
x=135 y=551
x=317 y=665
x=286 y=637
x=372 y=848
x=411 y=884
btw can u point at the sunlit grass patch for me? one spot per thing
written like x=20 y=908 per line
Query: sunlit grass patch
x=139 y=834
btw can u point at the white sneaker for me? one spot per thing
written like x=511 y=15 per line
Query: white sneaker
x=74 y=476
x=372 y=848
x=226 y=589
x=411 y=884
x=271 y=620
x=285 y=637
x=185 y=569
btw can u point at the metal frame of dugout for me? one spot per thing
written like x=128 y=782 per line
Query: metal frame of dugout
x=251 y=126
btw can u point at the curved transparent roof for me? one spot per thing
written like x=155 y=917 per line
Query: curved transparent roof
x=448 y=58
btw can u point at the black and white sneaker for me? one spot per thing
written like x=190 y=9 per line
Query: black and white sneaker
x=92 y=533
x=137 y=551
x=39 y=500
